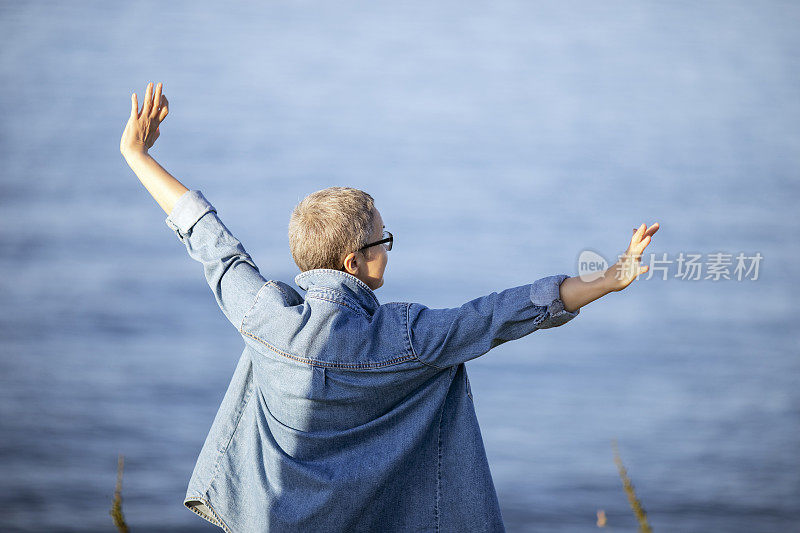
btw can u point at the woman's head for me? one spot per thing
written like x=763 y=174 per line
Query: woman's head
x=329 y=227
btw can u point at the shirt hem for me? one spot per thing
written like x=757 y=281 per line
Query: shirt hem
x=202 y=507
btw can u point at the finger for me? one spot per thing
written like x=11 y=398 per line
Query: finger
x=637 y=235
x=643 y=269
x=148 y=100
x=643 y=244
x=134 y=106
x=652 y=229
x=164 y=108
x=156 y=101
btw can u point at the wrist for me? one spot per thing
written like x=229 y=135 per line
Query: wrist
x=609 y=281
x=130 y=153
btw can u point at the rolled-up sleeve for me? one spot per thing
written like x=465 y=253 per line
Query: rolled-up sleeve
x=229 y=270
x=545 y=293
x=446 y=337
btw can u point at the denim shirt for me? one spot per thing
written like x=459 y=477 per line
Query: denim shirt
x=345 y=414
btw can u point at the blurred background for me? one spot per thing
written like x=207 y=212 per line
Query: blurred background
x=499 y=140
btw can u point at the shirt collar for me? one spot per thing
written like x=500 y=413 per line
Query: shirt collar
x=341 y=281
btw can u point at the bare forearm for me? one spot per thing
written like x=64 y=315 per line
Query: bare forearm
x=575 y=293
x=164 y=188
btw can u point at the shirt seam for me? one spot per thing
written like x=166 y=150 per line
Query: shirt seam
x=439 y=463
x=284 y=295
x=411 y=344
x=230 y=439
x=255 y=301
x=330 y=364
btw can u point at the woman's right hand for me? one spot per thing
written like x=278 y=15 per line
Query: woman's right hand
x=141 y=131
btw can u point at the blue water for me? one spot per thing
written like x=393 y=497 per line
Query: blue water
x=499 y=141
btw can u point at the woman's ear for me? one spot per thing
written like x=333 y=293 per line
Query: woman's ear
x=351 y=263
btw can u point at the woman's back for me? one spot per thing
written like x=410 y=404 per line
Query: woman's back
x=332 y=423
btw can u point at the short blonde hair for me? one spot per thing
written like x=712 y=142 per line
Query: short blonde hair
x=329 y=224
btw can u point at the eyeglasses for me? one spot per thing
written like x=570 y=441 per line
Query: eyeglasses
x=387 y=241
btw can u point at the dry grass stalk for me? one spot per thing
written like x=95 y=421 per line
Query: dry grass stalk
x=116 y=507
x=636 y=505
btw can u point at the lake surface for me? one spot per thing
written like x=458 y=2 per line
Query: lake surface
x=499 y=141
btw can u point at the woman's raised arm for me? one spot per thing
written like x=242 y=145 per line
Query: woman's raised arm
x=229 y=270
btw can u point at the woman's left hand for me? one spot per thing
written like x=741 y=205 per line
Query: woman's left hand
x=141 y=131
x=628 y=267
